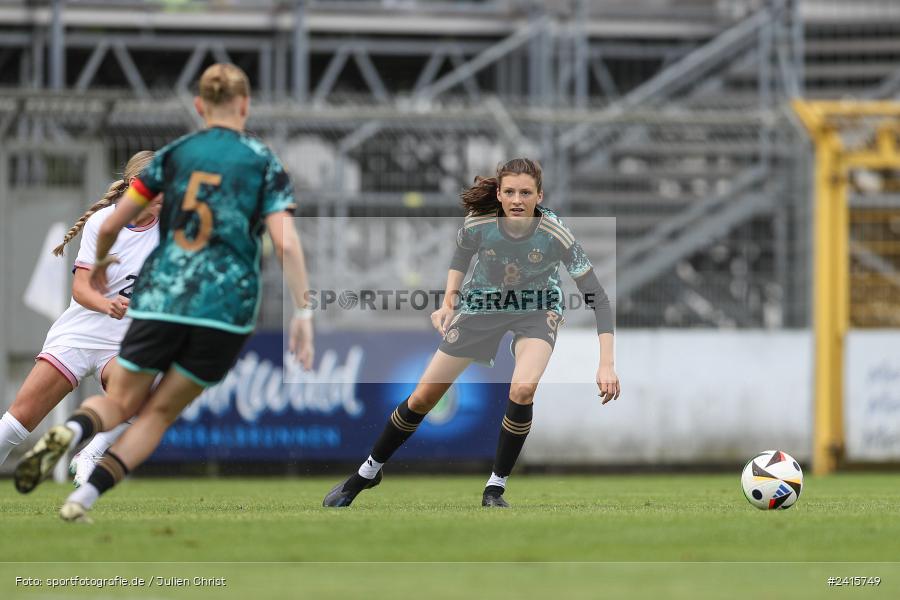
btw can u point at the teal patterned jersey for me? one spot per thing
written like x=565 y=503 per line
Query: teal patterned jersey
x=218 y=185
x=518 y=275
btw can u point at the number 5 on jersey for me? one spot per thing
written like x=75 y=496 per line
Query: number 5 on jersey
x=204 y=212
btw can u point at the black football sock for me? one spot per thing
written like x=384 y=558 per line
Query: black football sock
x=85 y=423
x=513 y=431
x=108 y=472
x=400 y=426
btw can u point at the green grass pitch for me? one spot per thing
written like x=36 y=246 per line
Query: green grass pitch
x=630 y=536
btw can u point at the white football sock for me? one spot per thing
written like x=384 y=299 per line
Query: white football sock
x=12 y=433
x=103 y=440
x=369 y=468
x=77 y=430
x=497 y=480
x=85 y=495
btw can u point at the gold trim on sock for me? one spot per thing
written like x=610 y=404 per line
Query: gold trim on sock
x=516 y=428
x=113 y=467
x=92 y=416
x=401 y=423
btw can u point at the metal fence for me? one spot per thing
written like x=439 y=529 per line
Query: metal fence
x=874 y=250
x=707 y=234
x=686 y=141
x=696 y=158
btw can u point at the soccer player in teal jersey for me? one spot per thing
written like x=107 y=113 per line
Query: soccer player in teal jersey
x=196 y=298
x=514 y=287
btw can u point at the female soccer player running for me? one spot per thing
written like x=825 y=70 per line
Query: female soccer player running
x=86 y=336
x=196 y=298
x=514 y=287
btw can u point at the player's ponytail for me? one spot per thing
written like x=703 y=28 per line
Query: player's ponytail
x=135 y=165
x=481 y=197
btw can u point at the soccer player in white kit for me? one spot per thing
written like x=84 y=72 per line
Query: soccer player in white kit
x=86 y=337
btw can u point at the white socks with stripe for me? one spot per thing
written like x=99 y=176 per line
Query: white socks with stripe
x=12 y=433
x=497 y=480
x=369 y=468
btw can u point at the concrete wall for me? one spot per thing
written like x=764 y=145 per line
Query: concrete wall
x=872 y=395
x=688 y=397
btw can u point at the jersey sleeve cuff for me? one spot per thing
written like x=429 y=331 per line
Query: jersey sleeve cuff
x=139 y=192
x=80 y=264
x=290 y=208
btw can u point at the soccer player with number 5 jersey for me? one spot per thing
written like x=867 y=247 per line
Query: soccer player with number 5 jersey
x=196 y=299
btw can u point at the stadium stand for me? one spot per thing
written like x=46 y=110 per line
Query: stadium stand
x=670 y=115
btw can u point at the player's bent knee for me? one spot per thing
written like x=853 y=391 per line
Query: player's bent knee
x=122 y=413
x=522 y=393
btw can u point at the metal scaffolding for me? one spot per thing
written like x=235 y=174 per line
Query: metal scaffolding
x=670 y=116
x=287 y=45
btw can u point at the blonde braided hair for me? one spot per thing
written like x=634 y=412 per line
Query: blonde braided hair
x=136 y=164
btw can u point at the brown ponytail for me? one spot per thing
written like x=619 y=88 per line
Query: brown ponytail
x=481 y=198
x=135 y=165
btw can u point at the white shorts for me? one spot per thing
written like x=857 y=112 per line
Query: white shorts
x=77 y=363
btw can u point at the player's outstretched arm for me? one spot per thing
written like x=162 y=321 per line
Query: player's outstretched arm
x=442 y=317
x=287 y=245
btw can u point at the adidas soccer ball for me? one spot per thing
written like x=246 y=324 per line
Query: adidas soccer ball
x=771 y=480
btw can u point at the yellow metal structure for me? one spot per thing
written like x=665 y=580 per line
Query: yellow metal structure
x=826 y=121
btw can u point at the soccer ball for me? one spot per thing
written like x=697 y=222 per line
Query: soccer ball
x=772 y=479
